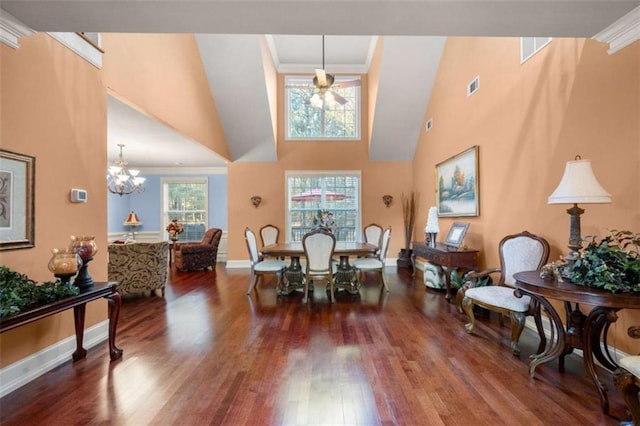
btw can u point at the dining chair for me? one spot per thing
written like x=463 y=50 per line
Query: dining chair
x=372 y=234
x=261 y=267
x=319 y=246
x=375 y=264
x=269 y=234
x=519 y=252
x=627 y=380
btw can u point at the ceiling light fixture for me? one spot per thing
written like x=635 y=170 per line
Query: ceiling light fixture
x=123 y=181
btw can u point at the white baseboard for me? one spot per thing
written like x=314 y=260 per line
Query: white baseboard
x=23 y=371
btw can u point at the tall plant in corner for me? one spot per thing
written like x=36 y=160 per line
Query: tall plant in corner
x=409 y=207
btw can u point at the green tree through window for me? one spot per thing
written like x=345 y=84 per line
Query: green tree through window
x=186 y=200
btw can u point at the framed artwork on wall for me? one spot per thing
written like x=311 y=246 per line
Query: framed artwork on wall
x=17 y=184
x=457 y=184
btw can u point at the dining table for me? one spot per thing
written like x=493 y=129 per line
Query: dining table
x=585 y=331
x=345 y=276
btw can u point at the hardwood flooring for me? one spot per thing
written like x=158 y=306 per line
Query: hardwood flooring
x=207 y=353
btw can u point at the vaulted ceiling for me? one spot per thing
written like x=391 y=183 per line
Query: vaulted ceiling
x=228 y=33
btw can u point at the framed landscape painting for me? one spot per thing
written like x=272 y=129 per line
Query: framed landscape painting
x=17 y=173
x=457 y=184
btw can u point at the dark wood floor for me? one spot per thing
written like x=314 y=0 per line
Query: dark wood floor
x=209 y=354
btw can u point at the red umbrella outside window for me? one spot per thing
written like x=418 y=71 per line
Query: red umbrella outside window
x=316 y=195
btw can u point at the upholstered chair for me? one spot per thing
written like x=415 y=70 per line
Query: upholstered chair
x=139 y=268
x=269 y=235
x=375 y=264
x=319 y=246
x=519 y=252
x=372 y=234
x=260 y=267
x=204 y=254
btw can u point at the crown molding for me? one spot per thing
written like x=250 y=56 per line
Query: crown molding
x=11 y=29
x=621 y=33
x=182 y=171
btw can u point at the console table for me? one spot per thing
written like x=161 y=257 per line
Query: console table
x=581 y=331
x=445 y=257
x=78 y=303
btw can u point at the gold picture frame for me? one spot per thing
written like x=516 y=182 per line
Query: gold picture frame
x=17 y=184
x=457 y=185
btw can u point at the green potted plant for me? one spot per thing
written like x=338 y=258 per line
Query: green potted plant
x=611 y=263
x=409 y=206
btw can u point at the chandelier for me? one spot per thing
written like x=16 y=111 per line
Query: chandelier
x=123 y=181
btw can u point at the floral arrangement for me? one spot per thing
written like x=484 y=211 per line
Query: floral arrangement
x=324 y=218
x=174 y=228
x=611 y=263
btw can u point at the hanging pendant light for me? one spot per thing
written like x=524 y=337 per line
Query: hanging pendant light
x=123 y=181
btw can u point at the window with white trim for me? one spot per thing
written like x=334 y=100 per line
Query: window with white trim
x=187 y=201
x=323 y=198
x=305 y=119
x=529 y=46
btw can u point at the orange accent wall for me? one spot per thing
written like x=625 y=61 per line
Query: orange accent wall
x=528 y=120
x=53 y=107
x=162 y=76
x=268 y=181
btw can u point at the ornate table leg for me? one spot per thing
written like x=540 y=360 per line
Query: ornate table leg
x=447 y=282
x=78 y=319
x=345 y=277
x=598 y=319
x=556 y=346
x=294 y=277
x=114 y=302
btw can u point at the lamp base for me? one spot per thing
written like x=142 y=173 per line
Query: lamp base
x=575 y=240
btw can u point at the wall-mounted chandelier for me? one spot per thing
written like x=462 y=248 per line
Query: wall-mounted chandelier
x=123 y=181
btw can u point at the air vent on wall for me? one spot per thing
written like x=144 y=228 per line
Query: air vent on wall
x=473 y=86
x=429 y=124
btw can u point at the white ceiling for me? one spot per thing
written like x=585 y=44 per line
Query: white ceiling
x=295 y=26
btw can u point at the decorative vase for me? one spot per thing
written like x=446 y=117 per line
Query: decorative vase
x=64 y=264
x=174 y=237
x=86 y=248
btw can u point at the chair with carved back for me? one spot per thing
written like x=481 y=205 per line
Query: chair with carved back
x=375 y=264
x=260 y=267
x=319 y=246
x=519 y=252
x=269 y=234
x=372 y=235
x=627 y=379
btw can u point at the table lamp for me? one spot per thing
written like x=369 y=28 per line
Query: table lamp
x=578 y=185
x=132 y=221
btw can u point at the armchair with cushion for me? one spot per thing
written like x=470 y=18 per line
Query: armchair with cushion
x=190 y=256
x=139 y=268
x=518 y=252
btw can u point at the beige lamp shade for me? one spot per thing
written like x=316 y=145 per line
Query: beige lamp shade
x=132 y=220
x=579 y=185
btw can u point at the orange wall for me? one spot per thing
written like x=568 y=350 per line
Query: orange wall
x=528 y=120
x=268 y=181
x=162 y=76
x=53 y=107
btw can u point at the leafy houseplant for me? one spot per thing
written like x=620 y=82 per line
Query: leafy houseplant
x=18 y=293
x=612 y=263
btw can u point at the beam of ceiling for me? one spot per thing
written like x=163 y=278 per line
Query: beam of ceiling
x=407 y=73
x=559 y=18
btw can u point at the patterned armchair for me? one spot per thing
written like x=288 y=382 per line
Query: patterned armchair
x=139 y=267
x=190 y=256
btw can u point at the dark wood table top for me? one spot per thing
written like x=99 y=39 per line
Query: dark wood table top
x=567 y=291
x=296 y=249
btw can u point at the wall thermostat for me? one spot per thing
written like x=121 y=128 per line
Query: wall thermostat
x=78 y=196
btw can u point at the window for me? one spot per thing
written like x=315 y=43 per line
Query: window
x=335 y=121
x=314 y=194
x=187 y=201
x=529 y=46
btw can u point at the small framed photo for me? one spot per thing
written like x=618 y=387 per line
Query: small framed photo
x=456 y=234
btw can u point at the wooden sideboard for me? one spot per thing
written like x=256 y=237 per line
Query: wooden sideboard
x=446 y=257
x=78 y=303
